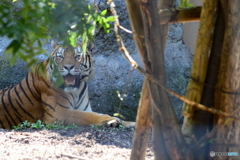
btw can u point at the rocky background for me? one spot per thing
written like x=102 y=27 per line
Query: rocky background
x=113 y=75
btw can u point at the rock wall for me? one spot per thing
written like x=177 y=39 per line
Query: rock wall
x=9 y=75
x=114 y=76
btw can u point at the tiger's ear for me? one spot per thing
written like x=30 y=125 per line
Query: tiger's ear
x=90 y=46
x=53 y=44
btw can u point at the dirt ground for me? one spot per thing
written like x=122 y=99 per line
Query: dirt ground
x=82 y=143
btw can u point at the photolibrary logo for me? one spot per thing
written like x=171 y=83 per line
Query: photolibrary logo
x=212 y=154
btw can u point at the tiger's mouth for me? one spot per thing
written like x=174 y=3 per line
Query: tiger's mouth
x=70 y=80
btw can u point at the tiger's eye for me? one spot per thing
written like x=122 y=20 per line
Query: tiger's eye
x=78 y=57
x=60 y=57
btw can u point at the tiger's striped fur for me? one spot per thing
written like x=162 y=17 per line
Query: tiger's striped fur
x=35 y=97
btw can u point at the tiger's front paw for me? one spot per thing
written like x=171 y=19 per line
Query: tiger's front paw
x=116 y=122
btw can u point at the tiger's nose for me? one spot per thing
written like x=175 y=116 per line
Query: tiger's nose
x=68 y=67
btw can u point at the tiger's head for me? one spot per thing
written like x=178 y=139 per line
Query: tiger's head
x=73 y=66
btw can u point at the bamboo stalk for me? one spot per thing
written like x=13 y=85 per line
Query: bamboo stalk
x=200 y=62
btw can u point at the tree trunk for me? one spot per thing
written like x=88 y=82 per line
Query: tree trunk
x=167 y=138
x=141 y=134
x=143 y=125
x=228 y=85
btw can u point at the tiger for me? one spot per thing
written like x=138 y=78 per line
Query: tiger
x=36 y=97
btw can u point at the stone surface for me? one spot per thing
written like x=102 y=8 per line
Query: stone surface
x=9 y=74
x=114 y=76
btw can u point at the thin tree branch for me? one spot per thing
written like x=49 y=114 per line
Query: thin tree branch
x=202 y=140
x=125 y=29
x=205 y=138
x=209 y=135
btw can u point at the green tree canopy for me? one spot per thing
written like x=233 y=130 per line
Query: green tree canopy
x=29 y=23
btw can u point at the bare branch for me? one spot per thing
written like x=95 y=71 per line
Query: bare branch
x=211 y=134
x=125 y=29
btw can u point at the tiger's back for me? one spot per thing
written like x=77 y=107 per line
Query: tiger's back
x=20 y=102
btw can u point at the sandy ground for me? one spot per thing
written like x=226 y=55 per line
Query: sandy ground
x=82 y=143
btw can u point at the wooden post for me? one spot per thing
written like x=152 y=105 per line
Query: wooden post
x=176 y=15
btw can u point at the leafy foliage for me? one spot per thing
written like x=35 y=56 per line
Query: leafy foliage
x=40 y=125
x=29 y=23
x=185 y=4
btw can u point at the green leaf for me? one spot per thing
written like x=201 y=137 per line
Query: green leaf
x=107 y=25
x=31 y=63
x=73 y=39
x=13 y=60
x=53 y=5
x=89 y=7
x=13 y=46
x=84 y=47
x=59 y=80
x=84 y=36
x=185 y=4
x=110 y=19
x=98 y=18
x=104 y=12
x=91 y=31
x=89 y=18
x=104 y=20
